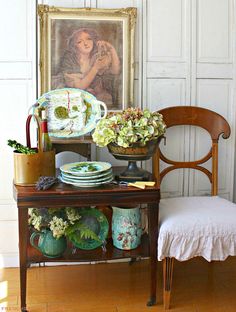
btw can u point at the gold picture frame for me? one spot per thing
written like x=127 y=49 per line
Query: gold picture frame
x=78 y=42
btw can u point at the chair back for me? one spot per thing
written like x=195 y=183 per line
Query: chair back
x=212 y=122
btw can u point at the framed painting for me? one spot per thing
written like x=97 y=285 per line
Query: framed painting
x=89 y=49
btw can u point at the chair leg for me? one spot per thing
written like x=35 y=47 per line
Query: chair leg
x=168 y=265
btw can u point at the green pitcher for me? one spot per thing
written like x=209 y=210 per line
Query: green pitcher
x=50 y=246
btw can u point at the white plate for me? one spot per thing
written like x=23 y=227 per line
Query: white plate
x=82 y=178
x=85 y=168
x=89 y=180
x=94 y=184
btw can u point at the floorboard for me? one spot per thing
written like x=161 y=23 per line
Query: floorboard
x=198 y=286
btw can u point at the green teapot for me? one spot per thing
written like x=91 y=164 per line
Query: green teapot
x=48 y=245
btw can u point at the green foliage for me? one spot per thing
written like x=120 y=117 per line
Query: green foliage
x=21 y=148
x=80 y=231
x=129 y=126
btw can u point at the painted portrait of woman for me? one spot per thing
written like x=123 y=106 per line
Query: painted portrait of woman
x=90 y=63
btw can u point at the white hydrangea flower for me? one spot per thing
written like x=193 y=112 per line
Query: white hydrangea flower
x=58 y=226
x=34 y=218
x=72 y=214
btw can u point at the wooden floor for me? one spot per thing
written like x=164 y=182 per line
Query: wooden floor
x=120 y=287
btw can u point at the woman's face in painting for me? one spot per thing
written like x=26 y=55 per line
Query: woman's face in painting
x=84 y=43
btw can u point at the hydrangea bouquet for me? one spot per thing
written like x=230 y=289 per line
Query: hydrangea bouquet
x=62 y=222
x=132 y=125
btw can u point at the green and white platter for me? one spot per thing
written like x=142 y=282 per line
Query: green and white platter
x=86 y=184
x=89 y=168
x=86 y=178
x=71 y=112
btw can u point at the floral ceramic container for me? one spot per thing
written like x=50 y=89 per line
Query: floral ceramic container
x=126 y=227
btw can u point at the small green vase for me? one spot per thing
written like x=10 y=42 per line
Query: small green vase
x=48 y=245
x=126 y=227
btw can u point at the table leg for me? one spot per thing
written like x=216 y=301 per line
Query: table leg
x=23 y=238
x=153 y=213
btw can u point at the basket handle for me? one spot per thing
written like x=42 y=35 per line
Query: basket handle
x=28 y=141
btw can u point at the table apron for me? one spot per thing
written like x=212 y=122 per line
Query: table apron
x=80 y=200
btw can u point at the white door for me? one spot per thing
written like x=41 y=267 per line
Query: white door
x=189 y=52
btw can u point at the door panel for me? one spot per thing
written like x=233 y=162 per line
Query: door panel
x=166 y=30
x=214 y=31
x=189 y=62
x=163 y=93
x=216 y=95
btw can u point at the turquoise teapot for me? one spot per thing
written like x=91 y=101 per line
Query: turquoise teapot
x=48 y=245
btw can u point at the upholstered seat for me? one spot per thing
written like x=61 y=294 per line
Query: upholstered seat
x=194 y=226
x=197 y=226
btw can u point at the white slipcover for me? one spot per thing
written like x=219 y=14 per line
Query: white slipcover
x=197 y=226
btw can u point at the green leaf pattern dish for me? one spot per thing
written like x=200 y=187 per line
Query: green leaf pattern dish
x=86 y=174
x=85 y=168
x=98 y=223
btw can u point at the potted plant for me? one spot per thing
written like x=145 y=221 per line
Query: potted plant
x=53 y=226
x=132 y=135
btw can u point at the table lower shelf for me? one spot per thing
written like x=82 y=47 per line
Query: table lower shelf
x=111 y=253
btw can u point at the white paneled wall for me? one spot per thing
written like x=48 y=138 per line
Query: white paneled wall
x=213 y=82
x=215 y=94
x=18 y=91
x=190 y=49
x=185 y=53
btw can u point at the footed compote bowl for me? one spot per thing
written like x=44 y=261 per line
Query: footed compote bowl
x=132 y=154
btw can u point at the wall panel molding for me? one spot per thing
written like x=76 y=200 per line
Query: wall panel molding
x=214 y=31
x=16 y=70
x=221 y=71
x=166 y=30
x=16 y=31
x=166 y=70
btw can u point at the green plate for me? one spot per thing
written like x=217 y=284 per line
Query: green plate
x=97 y=222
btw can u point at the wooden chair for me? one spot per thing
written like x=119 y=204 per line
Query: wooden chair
x=194 y=226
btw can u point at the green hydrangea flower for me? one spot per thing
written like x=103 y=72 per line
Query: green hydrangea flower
x=129 y=126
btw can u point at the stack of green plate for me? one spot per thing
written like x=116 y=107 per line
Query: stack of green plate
x=86 y=174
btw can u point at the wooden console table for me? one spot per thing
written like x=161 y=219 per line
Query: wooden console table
x=62 y=195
